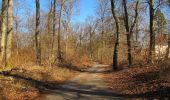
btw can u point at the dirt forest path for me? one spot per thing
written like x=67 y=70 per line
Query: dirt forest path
x=86 y=86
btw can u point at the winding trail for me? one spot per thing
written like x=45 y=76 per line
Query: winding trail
x=86 y=86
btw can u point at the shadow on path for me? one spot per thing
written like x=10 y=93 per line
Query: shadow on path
x=77 y=89
x=75 y=68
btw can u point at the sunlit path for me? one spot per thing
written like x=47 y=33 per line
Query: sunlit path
x=86 y=86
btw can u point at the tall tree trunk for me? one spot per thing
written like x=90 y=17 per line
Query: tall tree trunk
x=126 y=20
x=116 y=46
x=59 y=32
x=49 y=34
x=67 y=40
x=52 y=20
x=137 y=31
x=54 y=45
x=37 y=34
x=152 y=33
x=4 y=31
x=68 y=14
x=91 y=51
x=102 y=49
x=129 y=30
x=10 y=29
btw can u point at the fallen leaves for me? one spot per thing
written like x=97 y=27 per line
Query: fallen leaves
x=20 y=89
x=137 y=80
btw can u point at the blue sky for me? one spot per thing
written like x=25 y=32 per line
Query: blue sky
x=86 y=8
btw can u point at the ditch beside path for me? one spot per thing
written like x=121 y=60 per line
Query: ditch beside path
x=86 y=86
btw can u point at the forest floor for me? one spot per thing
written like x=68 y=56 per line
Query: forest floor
x=100 y=83
x=26 y=82
x=95 y=83
x=143 y=81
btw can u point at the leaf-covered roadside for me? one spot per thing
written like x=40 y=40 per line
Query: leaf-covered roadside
x=20 y=88
x=141 y=80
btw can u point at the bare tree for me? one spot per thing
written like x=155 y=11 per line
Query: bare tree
x=53 y=43
x=16 y=19
x=50 y=32
x=10 y=29
x=91 y=28
x=68 y=13
x=62 y=3
x=152 y=33
x=102 y=11
x=37 y=34
x=4 y=31
x=116 y=46
x=129 y=29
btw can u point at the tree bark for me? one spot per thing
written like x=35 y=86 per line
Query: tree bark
x=62 y=2
x=37 y=34
x=129 y=30
x=137 y=31
x=10 y=29
x=4 y=31
x=91 y=51
x=152 y=34
x=67 y=39
x=68 y=16
x=52 y=14
x=102 y=49
x=126 y=20
x=116 y=46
